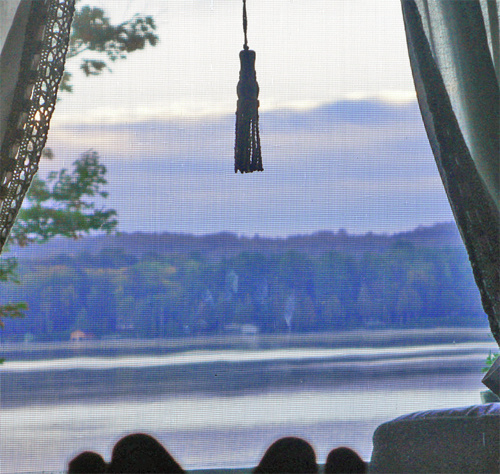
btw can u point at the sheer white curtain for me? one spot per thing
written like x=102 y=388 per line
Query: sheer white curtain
x=454 y=54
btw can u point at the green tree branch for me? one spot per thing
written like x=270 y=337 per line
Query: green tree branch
x=64 y=204
x=93 y=32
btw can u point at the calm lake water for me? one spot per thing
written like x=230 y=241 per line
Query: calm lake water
x=223 y=408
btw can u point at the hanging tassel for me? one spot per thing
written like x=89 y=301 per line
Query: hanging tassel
x=247 y=154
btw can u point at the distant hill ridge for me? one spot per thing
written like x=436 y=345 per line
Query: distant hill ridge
x=226 y=244
x=165 y=285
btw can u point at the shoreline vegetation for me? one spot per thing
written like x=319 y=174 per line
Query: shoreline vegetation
x=147 y=286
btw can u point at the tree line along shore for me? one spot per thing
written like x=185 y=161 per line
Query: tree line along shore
x=173 y=285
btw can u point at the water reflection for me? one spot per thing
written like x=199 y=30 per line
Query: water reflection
x=203 y=428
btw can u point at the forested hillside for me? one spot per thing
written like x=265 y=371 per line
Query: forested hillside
x=141 y=285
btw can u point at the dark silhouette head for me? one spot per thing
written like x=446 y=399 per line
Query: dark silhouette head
x=288 y=455
x=87 y=462
x=141 y=453
x=344 y=461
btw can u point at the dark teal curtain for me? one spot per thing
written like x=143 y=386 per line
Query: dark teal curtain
x=454 y=53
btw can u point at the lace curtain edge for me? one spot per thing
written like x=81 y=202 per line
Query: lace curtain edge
x=41 y=69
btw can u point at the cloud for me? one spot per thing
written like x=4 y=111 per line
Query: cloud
x=308 y=52
x=364 y=165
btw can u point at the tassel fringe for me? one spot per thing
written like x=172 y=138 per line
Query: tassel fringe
x=247 y=153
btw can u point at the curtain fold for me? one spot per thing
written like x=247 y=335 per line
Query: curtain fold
x=454 y=60
x=31 y=67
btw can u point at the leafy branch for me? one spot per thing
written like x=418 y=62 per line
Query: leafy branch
x=12 y=310
x=490 y=360
x=64 y=204
x=93 y=32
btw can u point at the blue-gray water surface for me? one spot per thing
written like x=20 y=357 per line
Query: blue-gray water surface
x=223 y=408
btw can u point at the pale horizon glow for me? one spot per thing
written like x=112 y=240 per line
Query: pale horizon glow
x=308 y=53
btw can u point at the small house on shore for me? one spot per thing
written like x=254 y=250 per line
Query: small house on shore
x=79 y=335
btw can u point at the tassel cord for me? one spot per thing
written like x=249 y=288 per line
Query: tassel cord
x=245 y=24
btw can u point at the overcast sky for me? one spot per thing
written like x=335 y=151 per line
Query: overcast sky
x=308 y=52
x=343 y=144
